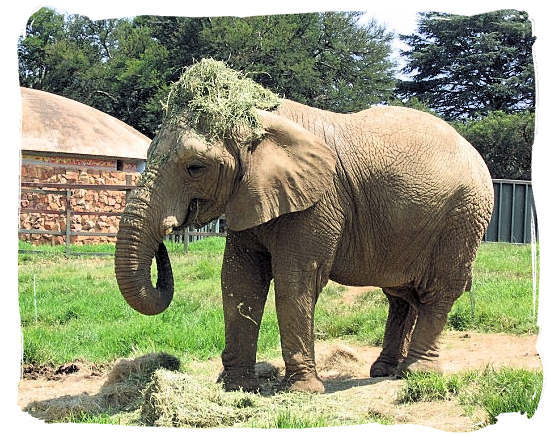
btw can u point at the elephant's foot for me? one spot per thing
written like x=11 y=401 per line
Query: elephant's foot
x=381 y=368
x=309 y=383
x=237 y=380
x=418 y=364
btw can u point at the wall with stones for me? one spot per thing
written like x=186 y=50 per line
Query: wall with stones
x=73 y=171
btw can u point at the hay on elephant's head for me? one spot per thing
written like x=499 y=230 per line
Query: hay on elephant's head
x=218 y=101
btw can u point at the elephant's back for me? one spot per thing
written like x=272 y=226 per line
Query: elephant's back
x=397 y=137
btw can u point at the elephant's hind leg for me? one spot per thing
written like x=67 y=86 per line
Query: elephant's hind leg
x=423 y=353
x=450 y=276
x=402 y=316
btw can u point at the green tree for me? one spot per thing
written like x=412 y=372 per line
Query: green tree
x=43 y=28
x=112 y=65
x=504 y=140
x=467 y=66
x=124 y=67
x=327 y=60
x=50 y=58
x=130 y=85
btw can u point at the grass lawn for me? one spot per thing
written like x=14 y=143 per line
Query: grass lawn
x=507 y=390
x=80 y=314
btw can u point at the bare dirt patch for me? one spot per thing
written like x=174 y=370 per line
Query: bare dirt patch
x=344 y=368
x=46 y=382
x=353 y=292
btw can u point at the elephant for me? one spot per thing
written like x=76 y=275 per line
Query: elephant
x=389 y=197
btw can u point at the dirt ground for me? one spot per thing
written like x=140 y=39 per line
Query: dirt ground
x=344 y=368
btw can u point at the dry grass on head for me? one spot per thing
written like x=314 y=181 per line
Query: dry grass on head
x=218 y=101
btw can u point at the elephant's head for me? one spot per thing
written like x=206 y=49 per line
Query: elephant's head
x=191 y=180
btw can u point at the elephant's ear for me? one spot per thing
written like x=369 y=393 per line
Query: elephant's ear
x=288 y=171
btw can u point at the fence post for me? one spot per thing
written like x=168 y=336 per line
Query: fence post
x=186 y=239
x=68 y=223
x=127 y=192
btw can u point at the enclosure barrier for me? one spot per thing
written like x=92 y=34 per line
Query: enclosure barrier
x=513 y=216
x=514 y=212
x=65 y=190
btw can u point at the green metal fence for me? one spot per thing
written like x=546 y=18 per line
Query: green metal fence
x=514 y=217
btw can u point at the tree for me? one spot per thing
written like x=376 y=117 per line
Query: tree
x=327 y=60
x=467 y=66
x=112 y=65
x=131 y=84
x=49 y=57
x=124 y=67
x=504 y=140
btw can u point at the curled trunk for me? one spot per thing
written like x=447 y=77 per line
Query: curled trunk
x=133 y=259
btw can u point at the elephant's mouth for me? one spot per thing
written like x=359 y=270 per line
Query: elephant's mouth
x=191 y=216
x=199 y=213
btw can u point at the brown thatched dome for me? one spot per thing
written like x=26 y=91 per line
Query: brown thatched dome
x=56 y=124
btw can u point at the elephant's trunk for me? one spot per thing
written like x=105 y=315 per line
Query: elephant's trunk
x=137 y=243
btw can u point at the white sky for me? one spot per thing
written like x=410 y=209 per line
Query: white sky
x=399 y=16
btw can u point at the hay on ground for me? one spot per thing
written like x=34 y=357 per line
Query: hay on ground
x=339 y=361
x=174 y=399
x=141 y=367
x=122 y=390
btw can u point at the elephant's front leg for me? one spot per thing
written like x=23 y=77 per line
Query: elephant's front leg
x=295 y=297
x=246 y=275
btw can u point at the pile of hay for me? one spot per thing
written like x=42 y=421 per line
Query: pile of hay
x=122 y=391
x=175 y=399
x=218 y=102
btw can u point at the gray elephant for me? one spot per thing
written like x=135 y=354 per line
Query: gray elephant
x=388 y=197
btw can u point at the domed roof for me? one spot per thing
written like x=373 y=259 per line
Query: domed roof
x=52 y=123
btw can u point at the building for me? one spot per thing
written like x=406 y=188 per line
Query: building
x=66 y=142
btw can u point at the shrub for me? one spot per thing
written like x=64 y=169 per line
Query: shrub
x=504 y=140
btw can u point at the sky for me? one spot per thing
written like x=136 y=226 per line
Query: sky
x=398 y=16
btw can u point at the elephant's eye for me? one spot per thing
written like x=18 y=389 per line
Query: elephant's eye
x=195 y=169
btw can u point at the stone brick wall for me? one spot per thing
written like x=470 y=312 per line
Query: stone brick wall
x=81 y=200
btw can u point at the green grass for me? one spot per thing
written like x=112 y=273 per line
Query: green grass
x=49 y=251
x=364 y=321
x=495 y=391
x=502 y=292
x=81 y=315
x=289 y=419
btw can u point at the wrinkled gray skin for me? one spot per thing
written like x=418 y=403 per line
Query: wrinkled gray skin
x=388 y=197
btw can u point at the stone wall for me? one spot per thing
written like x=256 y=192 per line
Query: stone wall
x=81 y=200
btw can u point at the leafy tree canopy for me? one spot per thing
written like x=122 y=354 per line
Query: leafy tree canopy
x=327 y=60
x=476 y=71
x=504 y=140
x=124 y=67
x=467 y=66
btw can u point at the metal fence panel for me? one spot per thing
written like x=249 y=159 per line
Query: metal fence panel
x=514 y=205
